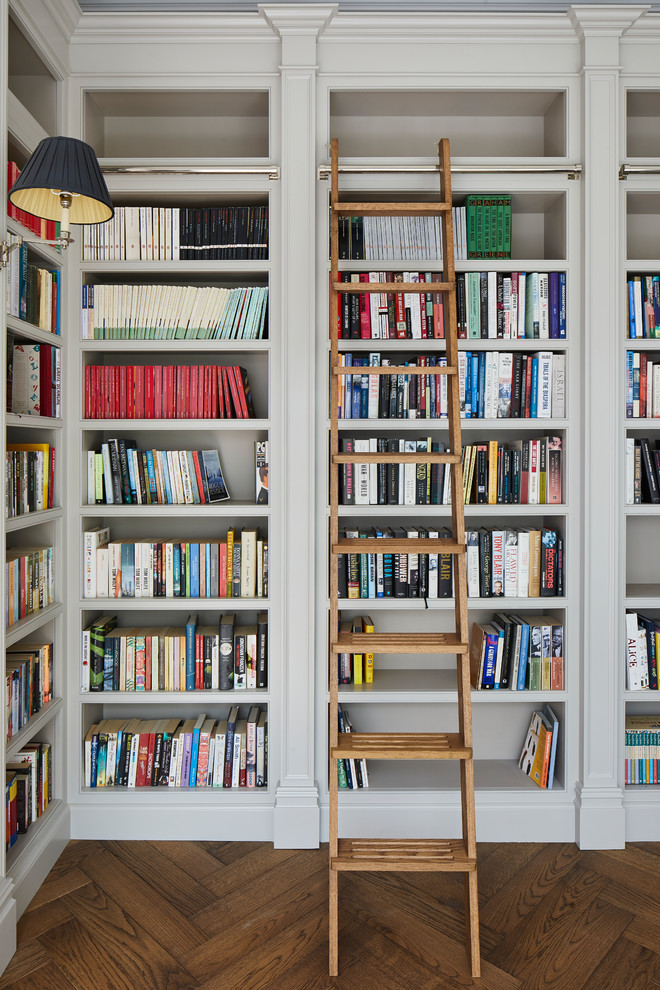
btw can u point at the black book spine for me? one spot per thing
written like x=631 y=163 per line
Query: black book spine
x=649 y=471
x=382 y=473
x=485 y=564
x=115 y=470
x=483 y=303
x=262 y=650
x=226 y=672
x=516 y=383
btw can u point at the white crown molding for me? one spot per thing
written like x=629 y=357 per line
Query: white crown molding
x=50 y=27
x=150 y=28
x=605 y=20
x=298 y=18
x=474 y=27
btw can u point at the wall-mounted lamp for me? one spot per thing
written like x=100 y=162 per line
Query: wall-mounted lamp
x=61 y=181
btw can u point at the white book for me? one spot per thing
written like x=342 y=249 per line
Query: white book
x=373 y=472
x=92 y=540
x=462 y=377
x=409 y=475
x=558 y=386
x=544 y=394
x=497 y=558
x=544 y=311
x=511 y=563
x=492 y=304
x=236 y=761
x=522 y=303
x=523 y=563
x=374 y=385
x=433 y=567
x=504 y=384
x=636 y=677
x=491 y=385
x=514 y=310
x=91 y=477
x=361 y=472
x=472 y=562
x=506 y=307
x=219 y=754
x=102 y=572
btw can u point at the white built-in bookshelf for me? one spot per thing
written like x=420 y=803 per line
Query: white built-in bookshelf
x=544 y=106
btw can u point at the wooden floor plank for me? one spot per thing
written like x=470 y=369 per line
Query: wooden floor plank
x=34 y=923
x=191 y=857
x=62 y=879
x=48 y=977
x=626 y=966
x=565 y=935
x=253 y=863
x=524 y=890
x=164 y=874
x=265 y=885
x=267 y=919
x=28 y=958
x=143 y=902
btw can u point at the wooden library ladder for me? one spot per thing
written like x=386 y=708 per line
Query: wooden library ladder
x=363 y=854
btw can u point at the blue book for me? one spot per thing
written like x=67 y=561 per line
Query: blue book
x=108 y=663
x=474 y=382
x=562 y=305
x=132 y=480
x=208 y=570
x=128 y=570
x=490 y=659
x=356 y=392
x=348 y=390
x=364 y=391
x=632 y=325
x=166 y=477
x=194 y=751
x=194 y=570
x=176 y=569
x=553 y=304
x=553 y=722
x=535 y=388
x=151 y=472
x=481 y=395
x=524 y=654
x=468 y=384
x=191 y=625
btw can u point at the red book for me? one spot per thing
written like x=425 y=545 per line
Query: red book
x=215 y=403
x=222 y=569
x=528 y=386
x=45 y=379
x=223 y=385
x=123 y=388
x=88 y=391
x=365 y=310
x=175 y=393
x=438 y=316
x=185 y=391
x=200 y=392
x=422 y=389
x=51 y=479
x=198 y=665
x=235 y=396
x=198 y=475
x=222 y=413
x=148 y=391
x=100 y=391
x=399 y=312
x=139 y=391
x=241 y=378
x=130 y=391
x=194 y=371
x=422 y=309
x=113 y=389
x=205 y=373
x=143 y=753
x=13 y=172
x=158 y=391
x=642 y=386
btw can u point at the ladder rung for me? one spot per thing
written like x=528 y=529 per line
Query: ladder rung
x=391 y=209
x=410 y=287
x=387 y=545
x=398 y=369
x=376 y=642
x=369 y=457
x=401 y=746
x=403 y=855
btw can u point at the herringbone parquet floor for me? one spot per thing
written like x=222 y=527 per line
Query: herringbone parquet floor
x=233 y=916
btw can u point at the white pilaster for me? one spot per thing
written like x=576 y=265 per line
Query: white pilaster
x=599 y=801
x=297 y=817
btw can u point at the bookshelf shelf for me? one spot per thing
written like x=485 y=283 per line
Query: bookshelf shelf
x=187 y=346
x=26 y=421
x=29 y=519
x=37 y=722
x=167 y=604
x=31 y=623
x=172 y=425
x=27 y=331
x=214 y=510
x=34 y=834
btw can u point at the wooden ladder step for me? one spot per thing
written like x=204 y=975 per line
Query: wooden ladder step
x=401 y=746
x=395 y=369
x=377 y=642
x=386 y=544
x=353 y=288
x=403 y=855
x=375 y=209
x=395 y=457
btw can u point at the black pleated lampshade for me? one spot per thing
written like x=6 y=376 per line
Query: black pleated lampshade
x=63 y=164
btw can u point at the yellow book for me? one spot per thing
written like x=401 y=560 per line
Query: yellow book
x=357 y=657
x=231 y=533
x=492 y=472
x=368 y=627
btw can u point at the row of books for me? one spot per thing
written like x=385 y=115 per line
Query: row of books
x=539 y=753
x=173 y=312
x=643 y=306
x=194 y=657
x=34 y=380
x=34 y=293
x=171 y=752
x=405 y=238
x=29 y=581
x=350 y=773
x=492 y=385
x=120 y=474
x=28 y=682
x=642 y=468
x=642 y=652
x=183 y=391
x=518 y=653
x=395 y=575
x=172 y=233
x=234 y=566
x=516 y=472
x=45 y=229
x=356 y=668
x=28 y=788
x=642 y=385
x=642 y=749
x=29 y=478
x=489 y=305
